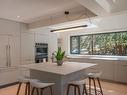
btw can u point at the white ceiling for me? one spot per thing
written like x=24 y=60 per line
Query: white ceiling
x=28 y=10
x=104 y=7
x=112 y=6
x=117 y=5
x=35 y=10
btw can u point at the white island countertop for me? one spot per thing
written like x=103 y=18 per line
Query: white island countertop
x=66 y=68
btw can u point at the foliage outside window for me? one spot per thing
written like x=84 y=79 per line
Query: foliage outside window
x=100 y=44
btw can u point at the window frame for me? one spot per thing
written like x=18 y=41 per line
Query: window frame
x=92 y=35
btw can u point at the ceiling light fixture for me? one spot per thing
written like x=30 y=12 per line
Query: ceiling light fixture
x=69 y=28
x=114 y=1
x=18 y=16
x=74 y=27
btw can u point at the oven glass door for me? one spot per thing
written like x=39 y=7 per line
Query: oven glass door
x=41 y=52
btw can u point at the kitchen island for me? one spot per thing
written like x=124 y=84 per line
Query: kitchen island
x=60 y=75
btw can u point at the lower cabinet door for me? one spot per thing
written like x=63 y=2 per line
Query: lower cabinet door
x=121 y=73
x=107 y=70
x=8 y=76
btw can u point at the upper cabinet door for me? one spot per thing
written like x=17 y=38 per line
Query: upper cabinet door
x=9 y=27
x=4 y=51
x=39 y=38
x=27 y=48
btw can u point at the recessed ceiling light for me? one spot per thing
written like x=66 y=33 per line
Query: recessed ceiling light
x=18 y=16
x=114 y=1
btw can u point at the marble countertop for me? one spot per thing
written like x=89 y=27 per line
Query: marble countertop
x=100 y=57
x=66 y=68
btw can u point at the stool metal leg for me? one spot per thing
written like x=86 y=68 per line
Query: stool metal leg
x=76 y=87
x=26 y=89
x=41 y=91
x=51 y=90
x=84 y=90
x=28 y=85
x=19 y=88
x=78 y=90
x=89 y=86
x=100 y=85
x=37 y=91
x=74 y=90
x=68 y=88
x=32 y=93
x=94 y=86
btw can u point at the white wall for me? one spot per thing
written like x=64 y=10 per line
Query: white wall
x=104 y=24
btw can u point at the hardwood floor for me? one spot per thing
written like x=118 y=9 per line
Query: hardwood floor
x=115 y=87
x=109 y=89
x=11 y=90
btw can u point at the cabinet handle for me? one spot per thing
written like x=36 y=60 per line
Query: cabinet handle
x=7 y=55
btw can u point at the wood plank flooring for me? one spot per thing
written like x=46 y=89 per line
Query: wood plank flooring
x=109 y=89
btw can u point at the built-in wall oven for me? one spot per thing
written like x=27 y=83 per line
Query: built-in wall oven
x=41 y=51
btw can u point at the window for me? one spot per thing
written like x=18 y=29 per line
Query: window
x=85 y=45
x=100 y=44
x=75 y=45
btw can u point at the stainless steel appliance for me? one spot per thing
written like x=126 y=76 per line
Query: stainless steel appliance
x=41 y=51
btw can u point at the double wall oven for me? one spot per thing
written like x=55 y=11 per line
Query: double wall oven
x=41 y=52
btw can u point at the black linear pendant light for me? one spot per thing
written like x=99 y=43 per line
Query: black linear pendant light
x=72 y=28
x=69 y=28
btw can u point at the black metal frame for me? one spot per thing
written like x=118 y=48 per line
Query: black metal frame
x=92 y=40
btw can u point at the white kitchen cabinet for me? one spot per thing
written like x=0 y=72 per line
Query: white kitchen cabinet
x=14 y=42
x=3 y=51
x=41 y=38
x=27 y=48
x=9 y=58
x=9 y=27
x=9 y=50
x=8 y=75
x=107 y=68
x=121 y=72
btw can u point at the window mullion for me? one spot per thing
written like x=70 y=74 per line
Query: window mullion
x=79 y=44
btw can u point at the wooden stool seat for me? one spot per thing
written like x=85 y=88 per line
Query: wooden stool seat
x=76 y=85
x=23 y=79
x=94 y=75
x=39 y=85
x=79 y=82
x=26 y=81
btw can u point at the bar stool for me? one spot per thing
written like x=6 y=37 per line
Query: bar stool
x=26 y=81
x=39 y=85
x=95 y=76
x=76 y=85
